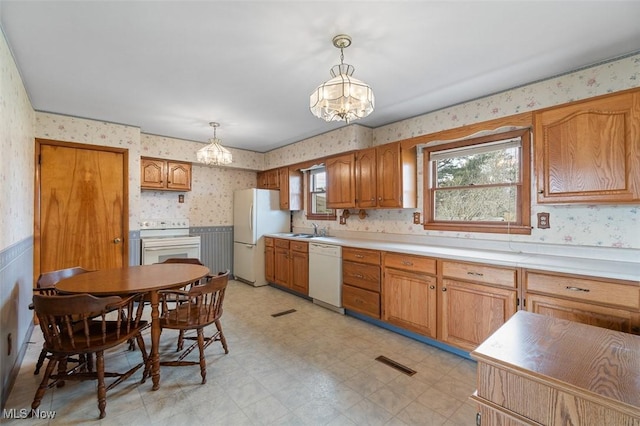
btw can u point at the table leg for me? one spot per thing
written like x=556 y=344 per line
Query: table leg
x=155 y=339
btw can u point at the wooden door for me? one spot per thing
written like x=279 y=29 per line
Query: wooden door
x=282 y=266
x=269 y=260
x=410 y=301
x=341 y=192
x=82 y=201
x=472 y=312
x=366 y=183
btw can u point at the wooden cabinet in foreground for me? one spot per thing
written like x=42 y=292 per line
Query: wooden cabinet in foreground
x=165 y=175
x=538 y=370
x=409 y=292
x=607 y=303
x=589 y=151
x=289 y=261
x=361 y=281
x=475 y=300
x=269 y=259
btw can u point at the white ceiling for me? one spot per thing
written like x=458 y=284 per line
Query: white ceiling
x=171 y=67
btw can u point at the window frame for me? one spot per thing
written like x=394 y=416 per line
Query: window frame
x=521 y=224
x=309 y=196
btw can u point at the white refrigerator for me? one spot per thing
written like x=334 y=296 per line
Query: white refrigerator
x=256 y=212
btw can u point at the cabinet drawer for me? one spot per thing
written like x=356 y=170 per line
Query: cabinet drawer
x=585 y=289
x=410 y=263
x=363 y=301
x=300 y=246
x=361 y=255
x=480 y=273
x=282 y=243
x=361 y=275
x=268 y=242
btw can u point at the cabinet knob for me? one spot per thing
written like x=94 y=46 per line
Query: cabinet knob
x=444 y=289
x=432 y=287
x=116 y=240
x=541 y=191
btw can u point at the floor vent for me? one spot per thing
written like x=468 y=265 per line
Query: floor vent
x=279 y=314
x=391 y=363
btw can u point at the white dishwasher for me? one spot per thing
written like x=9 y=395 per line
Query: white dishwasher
x=325 y=275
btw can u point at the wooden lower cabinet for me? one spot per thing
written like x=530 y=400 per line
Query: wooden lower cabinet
x=300 y=267
x=361 y=281
x=409 y=293
x=475 y=300
x=612 y=304
x=282 y=263
x=269 y=259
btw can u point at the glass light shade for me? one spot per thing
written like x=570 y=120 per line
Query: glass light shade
x=343 y=97
x=214 y=154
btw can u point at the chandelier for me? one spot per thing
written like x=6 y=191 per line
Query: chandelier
x=214 y=154
x=343 y=97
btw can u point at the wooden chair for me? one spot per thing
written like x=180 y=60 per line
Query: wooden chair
x=196 y=308
x=70 y=327
x=46 y=285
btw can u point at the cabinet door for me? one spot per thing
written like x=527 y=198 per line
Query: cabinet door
x=341 y=192
x=389 y=176
x=366 y=179
x=300 y=272
x=262 y=180
x=282 y=267
x=589 y=151
x=178 y=176
x=152 y=173
x=269 y=264
x=409 y=301
x=472 y=312
x=273 y=179
x=585 y=313
x=290 y=189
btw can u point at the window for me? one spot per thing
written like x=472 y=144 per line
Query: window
x=317 y=195
x=479 y=185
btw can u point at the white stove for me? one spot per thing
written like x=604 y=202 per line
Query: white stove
x=162 y=239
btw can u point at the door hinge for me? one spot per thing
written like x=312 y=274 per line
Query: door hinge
x=39 y=159
x=478 y=419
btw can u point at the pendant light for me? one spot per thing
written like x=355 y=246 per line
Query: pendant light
x=343 y=97
x=214 y=154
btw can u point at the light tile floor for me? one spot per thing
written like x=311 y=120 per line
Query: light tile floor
x=310 y=367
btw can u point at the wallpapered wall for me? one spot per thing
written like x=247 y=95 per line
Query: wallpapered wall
x=584 y=225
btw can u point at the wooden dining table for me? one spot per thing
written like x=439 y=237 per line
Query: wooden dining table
x=133 y=280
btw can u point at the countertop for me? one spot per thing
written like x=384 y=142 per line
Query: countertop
x=623 y=270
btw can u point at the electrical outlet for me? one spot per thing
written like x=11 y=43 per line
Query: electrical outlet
x=543 y=220
x=416 y=218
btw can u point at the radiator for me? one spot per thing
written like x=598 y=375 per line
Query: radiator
x=216 y=250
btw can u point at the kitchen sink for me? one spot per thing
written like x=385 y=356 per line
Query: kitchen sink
x=302 y=235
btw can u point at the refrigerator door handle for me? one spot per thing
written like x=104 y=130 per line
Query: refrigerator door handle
x=251 y=218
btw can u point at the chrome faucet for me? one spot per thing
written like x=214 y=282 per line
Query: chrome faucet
x=315 y=229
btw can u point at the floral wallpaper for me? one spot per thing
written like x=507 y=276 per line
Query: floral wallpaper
x=571 y=225
x=16 y=161
x=210 y=201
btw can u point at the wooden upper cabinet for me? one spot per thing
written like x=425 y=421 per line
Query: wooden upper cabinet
x=341 y=193
x=290 y=189
x=386 y=177
x=396 y=176
x=269 y=179
x=366 y=179
x=589 y=151
x=165 y=175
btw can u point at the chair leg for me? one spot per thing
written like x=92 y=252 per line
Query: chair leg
x=102 y=392
x=41 y=358
x=62 y=371
x=145 y=358
x=222 y=338
x=44 y=384
x=180 y=341
x=203 y=361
